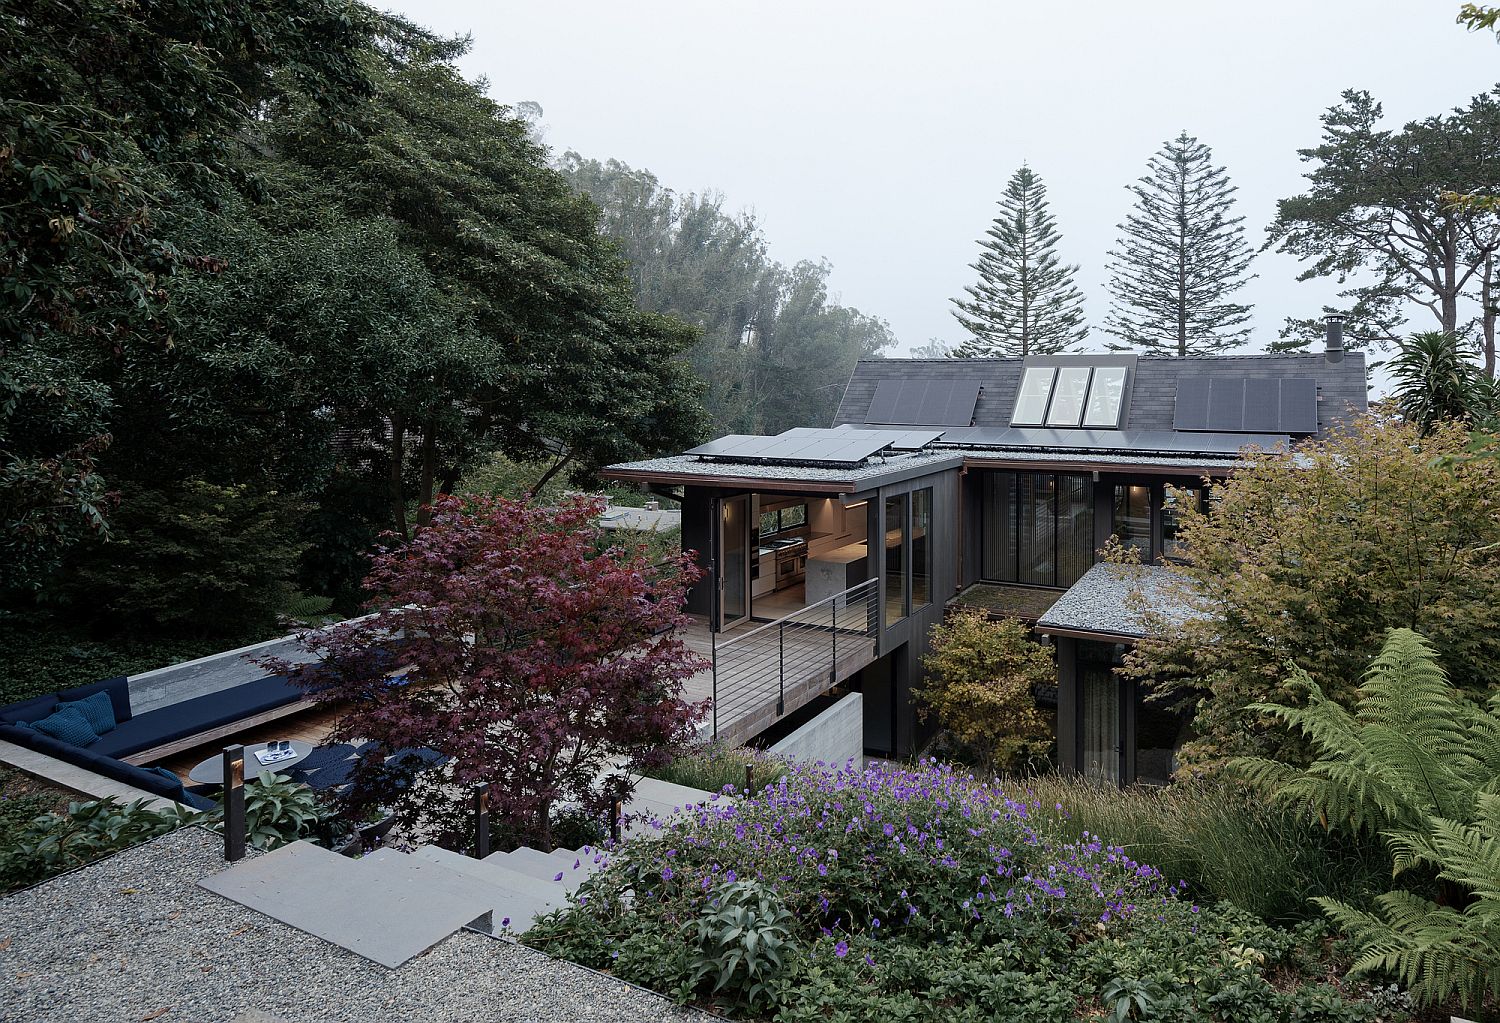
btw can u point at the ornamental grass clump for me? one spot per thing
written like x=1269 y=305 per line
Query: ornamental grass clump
x=912 y=893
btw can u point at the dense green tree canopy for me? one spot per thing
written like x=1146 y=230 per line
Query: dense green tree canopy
x=1180 y=258
x=775 y=349
x=1378 y=215
x=1025 y=301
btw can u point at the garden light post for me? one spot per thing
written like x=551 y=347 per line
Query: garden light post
x=234 y=803
x=481 y=820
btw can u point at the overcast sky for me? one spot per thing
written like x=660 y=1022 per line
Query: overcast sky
x=879 y=135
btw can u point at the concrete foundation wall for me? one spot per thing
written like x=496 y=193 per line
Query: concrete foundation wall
x=834 y=736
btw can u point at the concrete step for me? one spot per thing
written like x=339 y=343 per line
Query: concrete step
x=672 y=794
x=384 y=908
x=540 y=865
x=518 y=898
x=578 y=865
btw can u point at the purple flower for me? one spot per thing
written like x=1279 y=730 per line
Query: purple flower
x=841 y=949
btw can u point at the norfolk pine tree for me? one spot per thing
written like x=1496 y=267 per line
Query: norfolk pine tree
x=1179 y=258
x=1025 y=301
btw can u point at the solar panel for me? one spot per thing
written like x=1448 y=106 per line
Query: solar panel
x=1262 y=405
x=807 y=446
x=939 y=402
x=887 y=400
x=1191 y=410
x=1277 y=405
x=1226 y=405
x=1299 y=405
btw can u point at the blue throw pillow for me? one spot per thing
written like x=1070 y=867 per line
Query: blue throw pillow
x=67 y=725
x=170 y=776
x=97 y=710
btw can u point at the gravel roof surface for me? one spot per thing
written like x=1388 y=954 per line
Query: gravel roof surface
x=1101 y=600
x=694 y=466
x=133 y=938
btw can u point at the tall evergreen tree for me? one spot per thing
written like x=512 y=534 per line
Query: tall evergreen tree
x=1179 y=258
x=1025 y=301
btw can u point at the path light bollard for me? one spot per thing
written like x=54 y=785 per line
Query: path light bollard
x=234 y=803
x=749 y=778
x=615 y=809
x=481 y=820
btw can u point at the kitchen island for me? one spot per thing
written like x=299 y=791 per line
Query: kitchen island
x=835 y=571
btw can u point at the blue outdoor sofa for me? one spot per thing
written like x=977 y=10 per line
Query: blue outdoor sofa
x=144 y=736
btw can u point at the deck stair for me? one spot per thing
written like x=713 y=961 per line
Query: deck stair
x=390 y=906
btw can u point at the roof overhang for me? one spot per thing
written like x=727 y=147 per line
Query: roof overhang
x=758 y=483
x=1197 y=470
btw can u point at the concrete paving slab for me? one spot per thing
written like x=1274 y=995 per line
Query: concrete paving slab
x=387 y=912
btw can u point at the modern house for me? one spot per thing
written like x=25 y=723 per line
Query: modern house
x=984 y=482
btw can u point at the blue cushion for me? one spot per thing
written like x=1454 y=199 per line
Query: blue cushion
x=118 y=689
x=97 y=710
x=67 y=725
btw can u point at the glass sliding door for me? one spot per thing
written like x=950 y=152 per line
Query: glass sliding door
x=1075 y=528
x=895 y=558
x=734 y=561
x=1037 y=530
x=997 y=540
x=1132 y=522
x=921 y=548
x=1100 y=732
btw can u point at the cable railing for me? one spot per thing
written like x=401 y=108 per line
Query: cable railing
x=753 y=669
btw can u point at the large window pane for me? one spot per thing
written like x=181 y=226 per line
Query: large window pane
x=1036 y=554
x=997 y=542
x=1075 y=528
x=1105 y=396
x=1031 y=401
x=921 y=548
x=1132 y=522
x=895 y=558
x=1067 y=396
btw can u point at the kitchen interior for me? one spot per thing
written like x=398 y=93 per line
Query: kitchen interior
x=805 y=549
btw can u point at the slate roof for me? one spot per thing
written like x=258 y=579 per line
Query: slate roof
x=1153 y=390
x=1101 y=601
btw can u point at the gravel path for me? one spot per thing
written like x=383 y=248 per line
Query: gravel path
x=133 y=938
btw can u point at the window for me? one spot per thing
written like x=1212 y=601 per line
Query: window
x=895 y=558
x=1031 y=401
x=1106 y=394
x=1036 y=528
x=921 y=548
x=1064 y=395
x=773 y=522
x=1067 y=396
x=1132 y=518
x=1171 y=517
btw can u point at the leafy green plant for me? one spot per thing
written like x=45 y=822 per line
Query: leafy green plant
x=1418 y=763
x=740 y=938
x=1436 y=377
x=1128 y=998
x=55 y=842
x=277 y=811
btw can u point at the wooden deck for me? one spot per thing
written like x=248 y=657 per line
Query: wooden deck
x=750 y=675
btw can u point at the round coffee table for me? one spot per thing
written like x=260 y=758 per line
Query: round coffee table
x=211 y=771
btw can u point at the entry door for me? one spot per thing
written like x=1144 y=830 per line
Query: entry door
x=734 y=561
x=1101 y=723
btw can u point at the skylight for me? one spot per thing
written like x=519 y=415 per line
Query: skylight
x=1031 y=402
x=1071 y=395
x=1067 y=396
x=1106 y=394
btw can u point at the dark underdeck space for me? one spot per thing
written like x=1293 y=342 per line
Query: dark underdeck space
x=1029 y=602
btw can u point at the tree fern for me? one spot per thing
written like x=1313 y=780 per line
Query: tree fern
x=1420 y=764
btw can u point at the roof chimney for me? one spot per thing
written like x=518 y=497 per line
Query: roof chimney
x=1334 y=325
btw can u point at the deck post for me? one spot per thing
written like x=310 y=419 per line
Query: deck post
x=781 y=670
x=713 y=639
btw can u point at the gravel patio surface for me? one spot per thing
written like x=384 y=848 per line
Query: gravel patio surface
x=132 y=938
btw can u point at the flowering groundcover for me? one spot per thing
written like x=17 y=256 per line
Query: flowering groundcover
x=921 y=893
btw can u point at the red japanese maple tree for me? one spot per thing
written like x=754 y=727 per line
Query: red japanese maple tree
x=537 y=654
